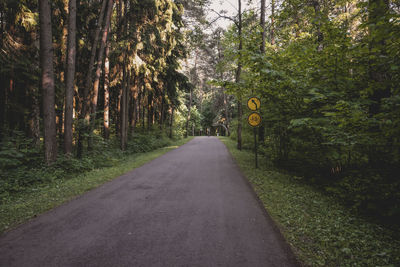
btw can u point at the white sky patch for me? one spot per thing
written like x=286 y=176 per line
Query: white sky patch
x=231 y=8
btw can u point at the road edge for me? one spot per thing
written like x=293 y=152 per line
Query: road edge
x=289 y=250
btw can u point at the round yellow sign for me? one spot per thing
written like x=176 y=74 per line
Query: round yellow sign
x=253 y=103
x=254 y=119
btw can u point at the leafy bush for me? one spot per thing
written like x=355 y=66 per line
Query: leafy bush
x=22 y=165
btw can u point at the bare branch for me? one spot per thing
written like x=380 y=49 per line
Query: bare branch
x=220 y=16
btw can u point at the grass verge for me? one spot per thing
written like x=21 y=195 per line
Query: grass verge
x=21 y=207
x=320 y=230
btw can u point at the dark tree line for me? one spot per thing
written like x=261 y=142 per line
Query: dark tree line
x=74 y=71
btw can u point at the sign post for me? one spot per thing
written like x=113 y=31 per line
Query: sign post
x=254 y=120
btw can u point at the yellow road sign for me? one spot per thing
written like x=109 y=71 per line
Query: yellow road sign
x=254 y=119
x=254 y=103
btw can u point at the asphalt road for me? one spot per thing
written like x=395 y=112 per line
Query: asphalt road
x=190 y=207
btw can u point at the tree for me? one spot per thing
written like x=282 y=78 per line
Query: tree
x=83 y=118
x=99 y=64
x=106 y=116
x=237 y=76
x=261 y=129
x=70 y=77
x=46 y=61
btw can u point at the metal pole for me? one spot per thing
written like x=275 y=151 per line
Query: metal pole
x=255 y=146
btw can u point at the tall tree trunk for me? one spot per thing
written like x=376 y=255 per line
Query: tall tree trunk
x=84 y=119
x=124 y=107
x=272 y=28
x=237 y=78
x=34 y=119
x=189 y=110
x=261 y=129
x=96 y=82
x=118 y=113
x=70 y=78
x=47 y=82
x=60 y=71
x=135 y=107
x=226 y=107
x=144 y=108
x=106 y=115
x=127 y=101
x=226 y=115
x=149 y=110
x=171 y=121
x=138 y=101
x=262 y=24
x=126 y=85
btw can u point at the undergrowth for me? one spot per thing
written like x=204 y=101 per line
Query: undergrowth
x=22 y=166
x=321 y=231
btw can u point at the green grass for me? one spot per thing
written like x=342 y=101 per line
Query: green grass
x=320 y=231
x=22 y=206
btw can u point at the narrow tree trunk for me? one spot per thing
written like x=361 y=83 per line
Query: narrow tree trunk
x=86 y=102
x=189 y=110
x=272 y=30
x=96 y=82
x=60 y=72
x=47 y=81
x=135 y=108
x=106 y=115
x=262 y=24
x=61 y=115
x=261 y=129
x=237 y=78
x=144 y=108
x=84 y=119
x=149 y=110
x=171 y=122
x=70 y=77
x=139 y=106
x=161 y=112
x=226 y=115
x=127 y=101
x=118 y=113
x=34 y=120
x=124 y=107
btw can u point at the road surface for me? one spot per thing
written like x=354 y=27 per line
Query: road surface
x=190 y=207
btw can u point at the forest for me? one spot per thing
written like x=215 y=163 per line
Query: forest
x=327 y=75
x=83 y=81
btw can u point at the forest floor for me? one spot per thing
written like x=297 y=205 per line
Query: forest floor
x=189 y=207
x=320 y=230
x=38 y=198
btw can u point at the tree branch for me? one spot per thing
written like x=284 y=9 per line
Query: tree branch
x=220 y=16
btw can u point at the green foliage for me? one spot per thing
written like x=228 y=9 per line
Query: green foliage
x=329 y=89
x=23 y=167
x=320 y=230
x=145 y=143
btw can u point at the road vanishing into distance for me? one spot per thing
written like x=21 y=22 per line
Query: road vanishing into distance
x=189 y=207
